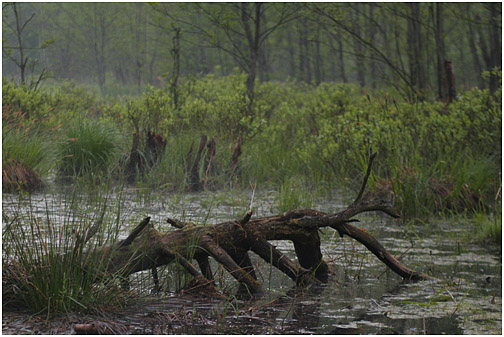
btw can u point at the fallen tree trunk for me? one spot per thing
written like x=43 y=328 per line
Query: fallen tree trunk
x=229 y=243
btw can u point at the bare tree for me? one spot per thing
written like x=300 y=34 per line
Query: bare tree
x=22 y=60
x=416 y=62
x=236 y=29
x=437 y=18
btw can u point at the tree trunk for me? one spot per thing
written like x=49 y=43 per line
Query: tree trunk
x=474 y=51
x=341 y=58
x=19 y=30
x=176 y=67
x=229 y=243
x=491 y=52
x=233 y=165
x=450 y=82
x=302 y=51
x=371 y=36
x=263 y=63
x=438 y=33
x=495 y=45
x=253 y=44
x=291 y=52
x=139 y=61
x=417 y=75
x=318 y=59
x=358 y=48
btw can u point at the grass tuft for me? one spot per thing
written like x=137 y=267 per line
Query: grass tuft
x=92 y=147
x=46 y=265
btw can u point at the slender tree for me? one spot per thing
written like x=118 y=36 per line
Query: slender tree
x=416 y=61
x=22 y=60
x=437 y=18
x=236 y=29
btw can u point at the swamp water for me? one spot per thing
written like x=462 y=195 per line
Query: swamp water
x=362 y=296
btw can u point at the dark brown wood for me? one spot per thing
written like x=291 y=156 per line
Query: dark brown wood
x=154 y=148
x=450 y=81
x=208 y=168
x=141 y=161
x=233 y=166
x=377 y=249
x=194 y=178
x=228 y=262
x=188 y=162
x=135 y=162
x=229 y=243
x=310 y=257
x=101 y=328
x=204 y=265
x=270 y=254
x=138 y=229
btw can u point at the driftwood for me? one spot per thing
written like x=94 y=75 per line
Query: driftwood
x=229 y=243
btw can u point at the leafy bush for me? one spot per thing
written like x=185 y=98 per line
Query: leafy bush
x=297 y=131
x=18 y=98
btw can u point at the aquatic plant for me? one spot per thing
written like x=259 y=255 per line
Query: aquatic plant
x=313 y=134
x=293 y=195
x=28 y=153
x=49 y=261
x=91 y=148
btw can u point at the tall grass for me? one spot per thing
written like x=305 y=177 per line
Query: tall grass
x=293 y=195
x=92 y=147
x=46 y=265
x=33 y=151
x=28 y=152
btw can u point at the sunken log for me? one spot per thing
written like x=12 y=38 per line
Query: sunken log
x=229 y=243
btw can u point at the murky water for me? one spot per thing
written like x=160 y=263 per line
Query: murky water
x=361 y=297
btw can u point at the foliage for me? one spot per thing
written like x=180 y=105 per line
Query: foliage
x=92 y=148
x=488 y=227
x=296 y=132
x=292 y=195
x=19 y=98
x=27 y=151
x=25 y=143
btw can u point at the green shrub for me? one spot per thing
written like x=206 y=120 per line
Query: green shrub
x=34 y=151
x=293 y=195
x=18 y=98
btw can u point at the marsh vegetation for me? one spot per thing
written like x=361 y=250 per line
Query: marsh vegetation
x=93 y=141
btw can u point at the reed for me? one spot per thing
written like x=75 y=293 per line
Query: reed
x=28 y=154
x=92 y=147
x=48 y=267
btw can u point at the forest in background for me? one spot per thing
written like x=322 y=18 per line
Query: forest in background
x=122 y=47
x=289 y=96
x=288 y=100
